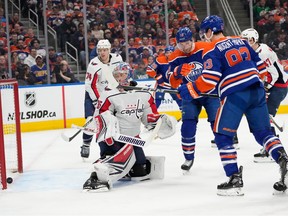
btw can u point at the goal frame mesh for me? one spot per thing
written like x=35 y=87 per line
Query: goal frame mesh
x=3 y=168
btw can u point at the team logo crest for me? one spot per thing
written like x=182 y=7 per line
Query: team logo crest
x=196 y=71
x=30 y=99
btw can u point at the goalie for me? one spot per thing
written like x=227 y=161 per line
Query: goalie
x=122 y=113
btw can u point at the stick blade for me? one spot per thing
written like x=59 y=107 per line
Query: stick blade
x=65 y=138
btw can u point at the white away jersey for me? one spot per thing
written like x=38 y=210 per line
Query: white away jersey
x=97 y=75
x=131 y=109
x=276 y=74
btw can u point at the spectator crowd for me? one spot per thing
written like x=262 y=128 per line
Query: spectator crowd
x=105 y=20
x=271 y=22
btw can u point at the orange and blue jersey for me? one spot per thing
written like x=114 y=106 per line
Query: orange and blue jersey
x=194 y=58
x=230 y=65
x=162 y=66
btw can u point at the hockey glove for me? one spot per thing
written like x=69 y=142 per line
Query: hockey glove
x=152 y=119
x=182 y=70
x=160 y=80
x=133 y=83
x=188 y=92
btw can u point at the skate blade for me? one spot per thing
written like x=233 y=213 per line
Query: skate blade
x=141 y=178
x=231 y=192
x=99 y=190
x=264 y=160
x=186 y=172
x=279 y=193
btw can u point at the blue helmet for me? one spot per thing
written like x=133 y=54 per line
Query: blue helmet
x=183 y=34
x=213 y=22
x=169 y=48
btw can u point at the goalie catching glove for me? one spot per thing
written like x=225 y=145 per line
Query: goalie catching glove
x=168 y=124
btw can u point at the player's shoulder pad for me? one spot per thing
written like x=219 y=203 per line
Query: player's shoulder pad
x=115 y=58
x=162 y=59
x=176 y=54
x=95 y=62
x=201 y=44
x=212 y=45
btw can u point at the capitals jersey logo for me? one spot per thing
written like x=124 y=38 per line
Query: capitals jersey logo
x=196 y=71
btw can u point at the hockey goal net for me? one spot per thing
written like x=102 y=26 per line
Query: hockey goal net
x=10 y=135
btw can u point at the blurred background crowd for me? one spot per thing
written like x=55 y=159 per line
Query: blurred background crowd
x=105 y=20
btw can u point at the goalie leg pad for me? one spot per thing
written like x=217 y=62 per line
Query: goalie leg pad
x=157 y=166
x=168 y=126
x=102 y=171
x=119 y=164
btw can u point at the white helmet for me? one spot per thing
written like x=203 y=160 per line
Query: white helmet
x=103 y=44
x=249 y=34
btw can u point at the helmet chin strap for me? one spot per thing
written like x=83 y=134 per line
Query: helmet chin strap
x=209 y=39
x=252 y=44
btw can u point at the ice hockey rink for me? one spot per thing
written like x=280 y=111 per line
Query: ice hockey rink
x=54 y=174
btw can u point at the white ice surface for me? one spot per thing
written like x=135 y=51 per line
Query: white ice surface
x=54 y=174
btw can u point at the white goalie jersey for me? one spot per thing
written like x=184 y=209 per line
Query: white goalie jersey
x=130 y=111
x=97 y=75
x=276 y=74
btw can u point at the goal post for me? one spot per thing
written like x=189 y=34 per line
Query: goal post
x=10 y=132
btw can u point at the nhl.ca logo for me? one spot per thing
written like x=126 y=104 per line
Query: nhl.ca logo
x=30 y=99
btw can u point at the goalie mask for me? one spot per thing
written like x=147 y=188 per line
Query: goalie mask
x=123 y=74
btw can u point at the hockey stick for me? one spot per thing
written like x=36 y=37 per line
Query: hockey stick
x=118 y=137
x=69 y=139
x=170 y=91
x=209 y=95
x=281 y=129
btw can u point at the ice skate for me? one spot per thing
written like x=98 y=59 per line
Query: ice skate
x=94 y=185
x=139 y=172
x=281 y=186
x=85 y=150
x=186 y=166
x=233 y=187
x=263 y=157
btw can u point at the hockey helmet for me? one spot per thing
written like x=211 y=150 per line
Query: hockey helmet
x=183 y=34
x=169 y=48
x=250 y=33
x=103 y=44
x=213 y=22
x=123 y=73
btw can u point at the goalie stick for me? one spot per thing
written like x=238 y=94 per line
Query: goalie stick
x=69 y=139
x=118 y=137
x=128 y=139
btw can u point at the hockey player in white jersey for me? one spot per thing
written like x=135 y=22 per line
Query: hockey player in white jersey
x=98 y=72
x=275 y=83
x=125 y=111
